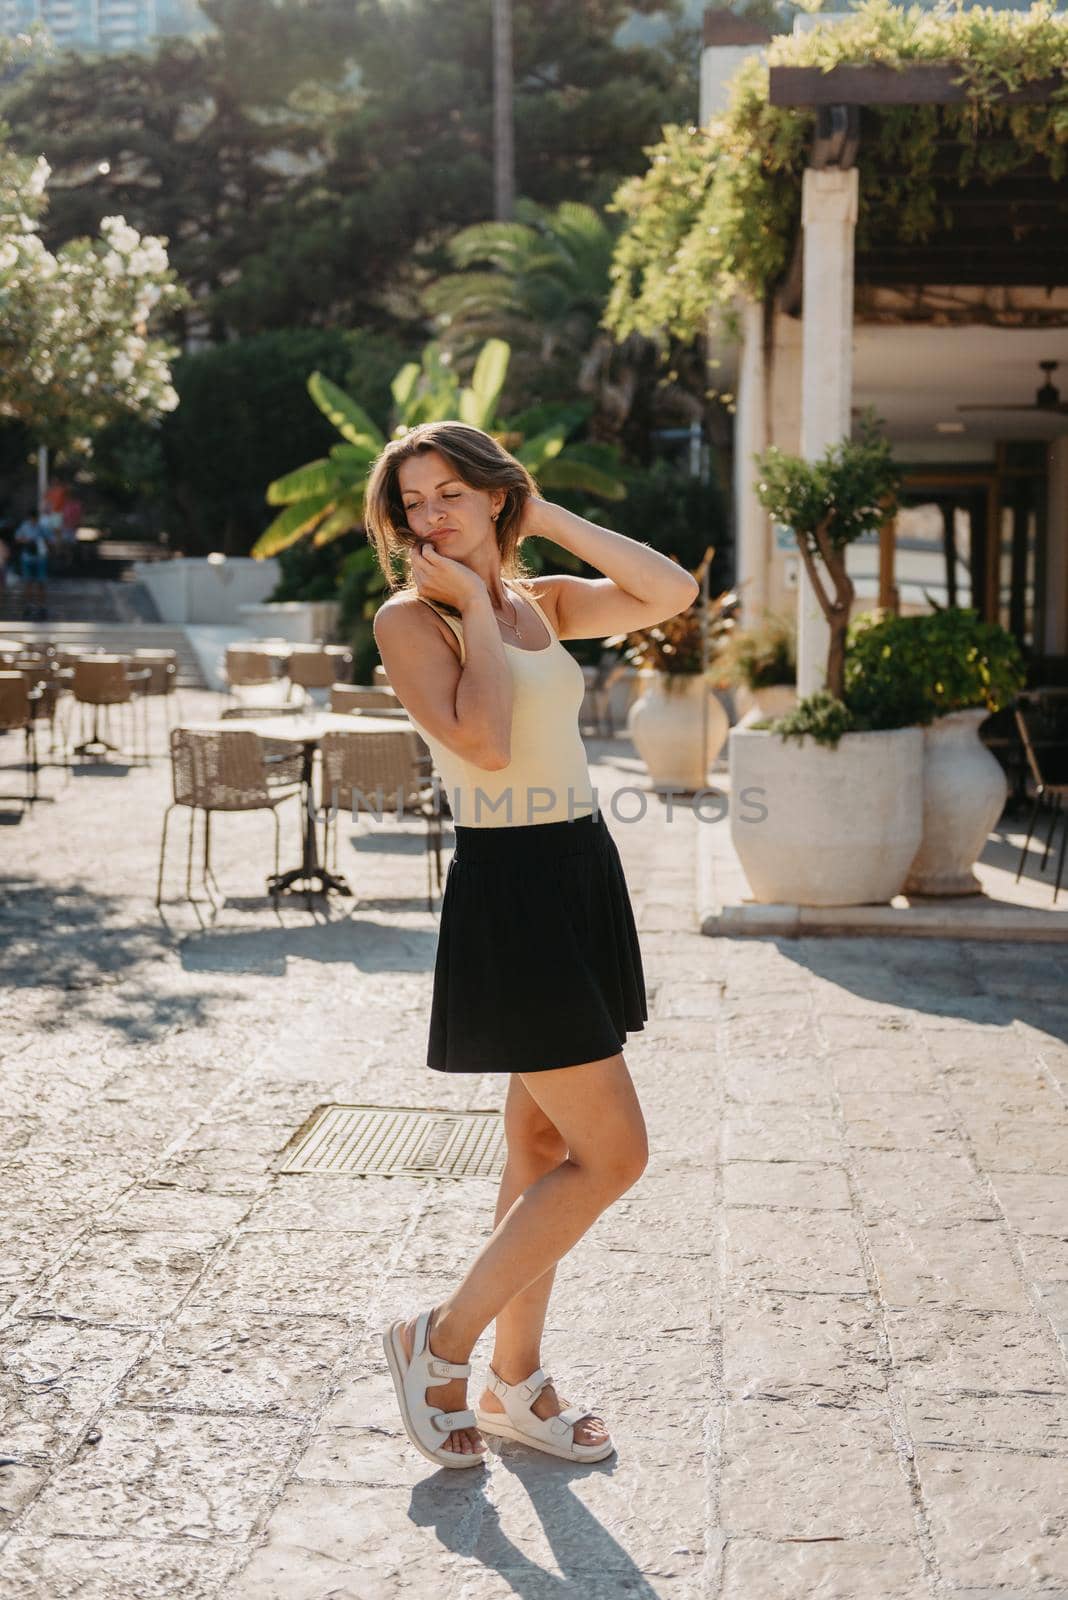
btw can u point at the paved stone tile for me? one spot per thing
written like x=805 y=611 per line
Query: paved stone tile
x=241 y=1363
x=103 y=1569
x=822 y=1472
x=1037 y=1143
x=920 y=1187
x=810 y=1186
x=898 y=1120
x=970 y=1349
x=1027 y=1421
x=838 y=1569
x=780 y=1133
x=966 y=1264
x=1034 y=1203
x=126 y=1277
x=352 y=1542
x=801 y=1346
x=608 y=1518
x=18 y=1485
x=289 y=1270
x=53 y=1377
x=997 y=1518
x=755 y=1080
x=371 y=1205
x=159 y=1475
x=775 y=1250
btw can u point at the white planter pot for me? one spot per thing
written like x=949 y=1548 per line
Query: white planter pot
x=816 y=826
x=672 y=733
x=964 y=792
x=753 y=705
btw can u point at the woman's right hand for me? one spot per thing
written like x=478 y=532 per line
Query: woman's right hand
x=438 y=577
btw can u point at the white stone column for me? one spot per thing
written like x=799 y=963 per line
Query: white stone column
x=750 y=438
x=1056 y=619
x=828 y=217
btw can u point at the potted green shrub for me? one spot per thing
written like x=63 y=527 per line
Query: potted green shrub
x=842 y=800
x=677 y=724
x=759 y=664
x=957 y=669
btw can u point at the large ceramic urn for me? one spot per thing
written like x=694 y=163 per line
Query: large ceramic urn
x=964 y=790
x=678 y=727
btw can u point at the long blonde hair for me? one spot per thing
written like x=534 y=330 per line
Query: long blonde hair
x=479 y=461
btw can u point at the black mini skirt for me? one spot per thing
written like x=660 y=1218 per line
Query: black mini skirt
x=538 y=964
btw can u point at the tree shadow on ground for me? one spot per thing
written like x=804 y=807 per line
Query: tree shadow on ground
x=68 y=943
x=985 y=983
x=266 y=952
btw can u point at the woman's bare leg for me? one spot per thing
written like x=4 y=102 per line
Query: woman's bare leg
x=535 y=1147
x=595 y=1109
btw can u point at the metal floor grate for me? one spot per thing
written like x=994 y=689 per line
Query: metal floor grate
x=390 y=1139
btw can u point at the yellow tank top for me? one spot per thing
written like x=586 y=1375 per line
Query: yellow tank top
x=547 y=778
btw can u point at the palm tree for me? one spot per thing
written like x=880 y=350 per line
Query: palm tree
x=325 y=499
x=543 y=280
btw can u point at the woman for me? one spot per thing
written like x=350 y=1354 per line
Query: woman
x=538 y=972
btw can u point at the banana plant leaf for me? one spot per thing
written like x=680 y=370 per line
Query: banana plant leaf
x=478 y=404
x=291 y=524
x=568 y=473
x=350 y=419
x=540 y=450
x=346 y=515
x=316 y=477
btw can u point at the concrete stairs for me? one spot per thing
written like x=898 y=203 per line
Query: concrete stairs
x=118 y=638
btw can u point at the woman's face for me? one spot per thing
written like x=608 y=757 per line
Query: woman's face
x=444 y=510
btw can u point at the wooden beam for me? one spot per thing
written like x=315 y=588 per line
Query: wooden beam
x=725 y=27
x=919 y=83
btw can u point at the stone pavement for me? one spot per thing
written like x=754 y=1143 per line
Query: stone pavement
x=828 y=1326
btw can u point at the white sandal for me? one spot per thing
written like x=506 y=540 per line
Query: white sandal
x=555 y=1435
x=425 y=1424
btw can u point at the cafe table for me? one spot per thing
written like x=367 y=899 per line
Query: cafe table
x=307 y=728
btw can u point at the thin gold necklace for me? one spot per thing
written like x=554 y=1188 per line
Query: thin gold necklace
x=514 y=626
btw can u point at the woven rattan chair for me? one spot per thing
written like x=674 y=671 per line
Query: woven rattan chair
x=18 y=702
x=218 y=771
x=285 y=761
x=1041 y=724
x=359 y=697
x=386 y=771
x=162 y=683
x=40 y=672
x=103 y=681
x=247 y=668
x=309 y=670
x=341 y=656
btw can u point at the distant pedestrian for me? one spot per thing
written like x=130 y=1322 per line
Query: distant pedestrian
x=33 y=541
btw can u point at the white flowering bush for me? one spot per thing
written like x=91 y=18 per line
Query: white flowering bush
x=75 y=348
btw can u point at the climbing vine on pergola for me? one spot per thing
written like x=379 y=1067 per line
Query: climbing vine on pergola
x=717 y=211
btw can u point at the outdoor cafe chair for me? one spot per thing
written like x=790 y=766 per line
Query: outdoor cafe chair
x=360 y=697
x=367 y=765
x=40 y=673
x=17 y=714
x=103 y=681
x=310 y=669
x=162 y=681
x=285 y=759
x=1045 y=741
x=248 y=668
x=218 y=771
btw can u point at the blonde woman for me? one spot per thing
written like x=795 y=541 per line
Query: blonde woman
x=538 y=972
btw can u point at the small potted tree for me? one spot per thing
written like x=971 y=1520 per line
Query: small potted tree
x=677 y=724
x=961 y=669
x=759 y=664
x=840 y=809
